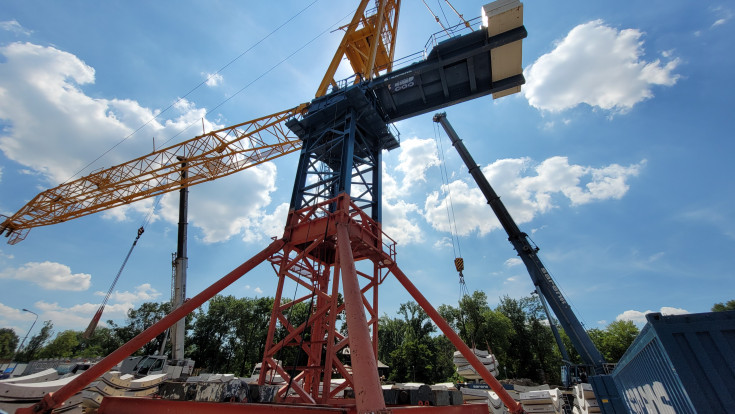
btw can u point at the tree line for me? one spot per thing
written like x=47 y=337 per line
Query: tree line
x=228 y=335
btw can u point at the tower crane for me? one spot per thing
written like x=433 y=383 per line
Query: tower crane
x=335 y=214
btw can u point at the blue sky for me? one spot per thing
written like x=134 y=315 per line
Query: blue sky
x=614 y=158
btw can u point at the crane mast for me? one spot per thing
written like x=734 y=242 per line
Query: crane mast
x=539 y=275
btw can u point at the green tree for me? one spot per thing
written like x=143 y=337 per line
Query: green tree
x=391 y=334
x=721 y=307
x=418 y=323
x=141 y=319
x=615 y=339
x=102 y=343
x=412 y=362
x=410 y=349
x=8 y=342
x=480 y=326
x=36 y=342
x=65 y=345
x=519 y=357
x=229 y=335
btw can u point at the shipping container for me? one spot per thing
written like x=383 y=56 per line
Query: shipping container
x=680 y=364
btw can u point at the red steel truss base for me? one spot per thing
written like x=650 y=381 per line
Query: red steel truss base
x=319 y=250
x=128 y=405
x=324 y=242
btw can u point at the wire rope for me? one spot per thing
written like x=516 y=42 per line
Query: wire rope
x=442 y=10
x=192 y=90
x=269 y=70
x=451 y=218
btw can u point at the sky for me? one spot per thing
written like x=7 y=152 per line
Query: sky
x=614 y=157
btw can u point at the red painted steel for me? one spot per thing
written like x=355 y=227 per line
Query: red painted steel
x=127 y=405
x=323 y=246
x=318 y=260
x=368 y=392
x=53 y=400
x=509 y=402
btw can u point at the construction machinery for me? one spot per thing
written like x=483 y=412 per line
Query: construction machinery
x=545 y=286
x=332 y=242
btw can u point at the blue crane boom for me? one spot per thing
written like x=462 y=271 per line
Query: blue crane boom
x=539 y=275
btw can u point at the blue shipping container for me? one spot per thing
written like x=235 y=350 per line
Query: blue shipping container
x=680 y=364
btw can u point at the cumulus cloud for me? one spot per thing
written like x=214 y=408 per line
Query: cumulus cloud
x=124 y=212
x=221 y=209
x=524 y=195
x=639 y=318
x=271 y=225
x=14 y=27
x=49 y=275
x=78 y=316
x=513 y=261
x=597 y=65
x=399 y=221
x=142 y=293
x=38 y=82
x=416 y=157
x=14 y=318
x=400 y=218
x=212 y=79
x=230 y=206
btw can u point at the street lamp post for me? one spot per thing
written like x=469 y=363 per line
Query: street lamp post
x=24 y=338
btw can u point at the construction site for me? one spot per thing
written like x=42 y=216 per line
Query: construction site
x=321 y=347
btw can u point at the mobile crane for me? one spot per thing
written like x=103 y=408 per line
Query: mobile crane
x=542 y=281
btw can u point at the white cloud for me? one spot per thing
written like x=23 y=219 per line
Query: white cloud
x=38 y=82
x=597 y=65
x=272 y=225
x=416 y=156
x=556 y=175
x=525 y=196
x=398 y=224
x=513 y=261
x=139 y=208
x=230 y=206
x=15 y=319
x=258 y=290
x=469 y=206
x=49 y=275
x=400 y=218
x=443 y=243
x=390 y=187
x=222 y=209
x=78 y=316
x=212 y=79
x=14 y=27
x=639 y=318
x=142 y=293
x=723 y=16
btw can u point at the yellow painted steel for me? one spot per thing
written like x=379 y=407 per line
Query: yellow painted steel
x=208 y=157
x=459 y=264
x=368 y=44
